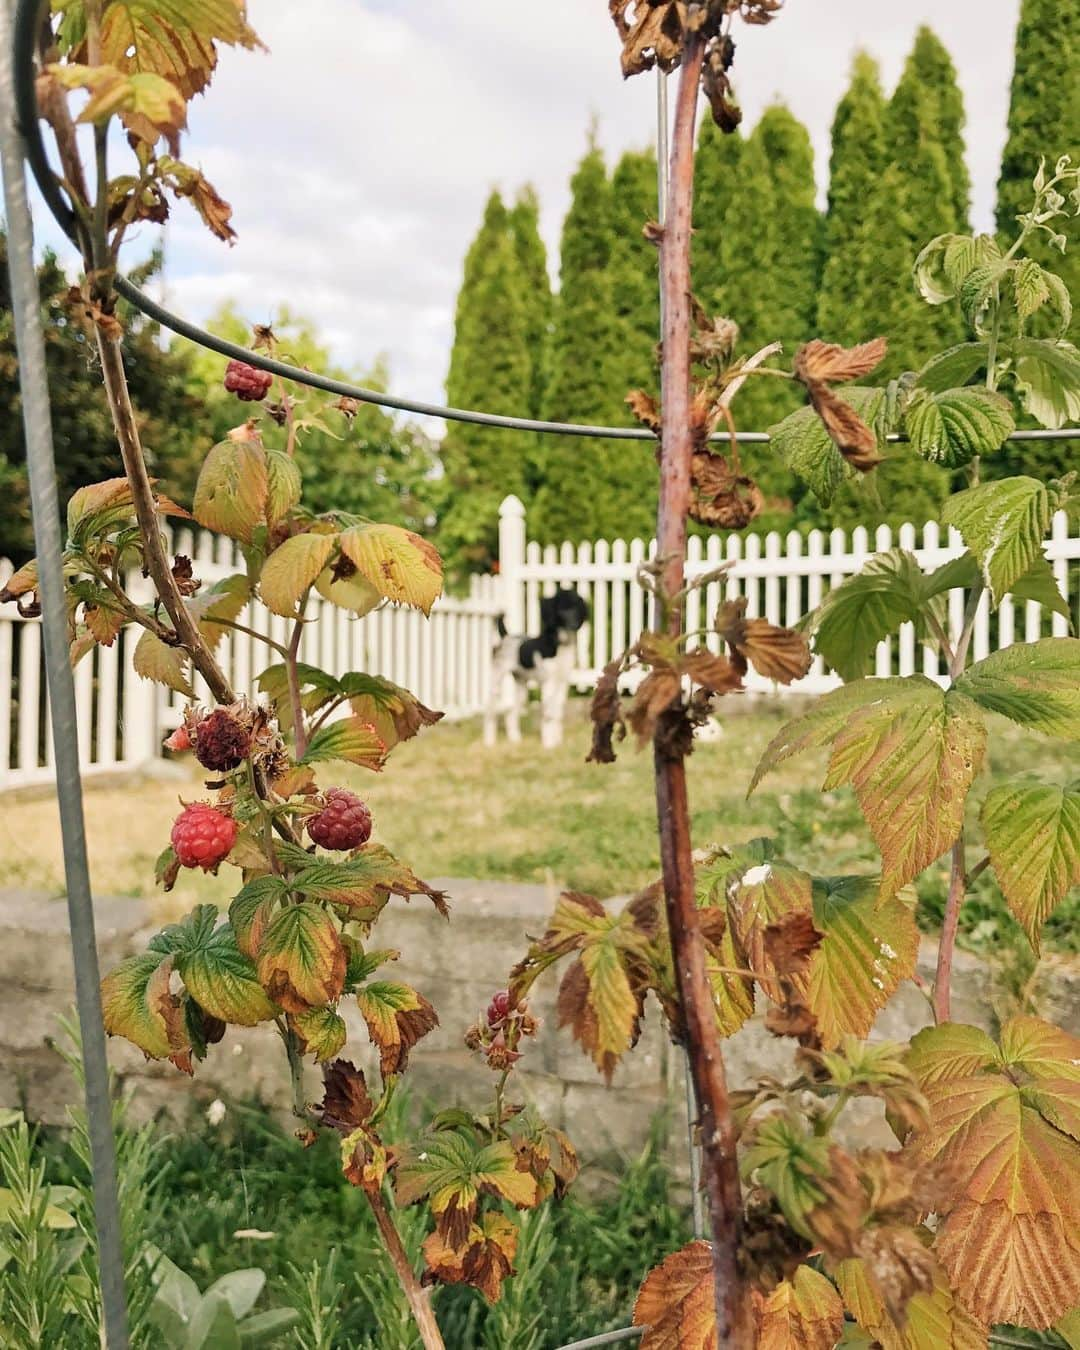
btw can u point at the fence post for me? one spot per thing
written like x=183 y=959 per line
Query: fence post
x=140 y=728
x=511 y=561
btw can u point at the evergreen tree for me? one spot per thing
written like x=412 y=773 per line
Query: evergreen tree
x=855 y=168
x=925 y=133
x=490 y=368
x=1044 y=120
x=716 y=184
x=574 y=500
x=532 y=257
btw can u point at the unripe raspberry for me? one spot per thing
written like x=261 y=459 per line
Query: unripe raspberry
x=343 y=823
x=248 y=384
x=221 y=741
x=499 y=1008
x=202 y=836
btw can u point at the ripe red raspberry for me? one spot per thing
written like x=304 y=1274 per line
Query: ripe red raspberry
x=202 y=836
x=499 y=1008
x=343 y=823
x=221 y=741
x=248 y=384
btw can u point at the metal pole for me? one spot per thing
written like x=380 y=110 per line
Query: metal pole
x=37 y=422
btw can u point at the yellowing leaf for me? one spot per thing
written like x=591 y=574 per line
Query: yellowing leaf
x=803 y=1313
x=284 y=485
x=399 y=564
x=676 y=1302
x=301 y=961
x=155 y=660
x=291 y=569
x=1036 y=684
x=484 y=1261
x=252 y=910
x=1004 y=524
x=353 y=593
x=911 y=759
x=1010 y=1244
x=935 y=1320
x=351 y=739
x=1033 y=838
x=136 y=1003
x=217 y=974
x=397 y=1017
x=322 y=1031
x=174 y=38
x=869 y=946
x=395 y=714
x=762 y=895
x=232 y=489
x=149 y=105
x=364 y=882
x=218 y=605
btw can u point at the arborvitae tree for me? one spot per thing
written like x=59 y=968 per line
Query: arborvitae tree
x=716 y=183
x=532 y=255
x=855 y=168
x=1044 y=119
x=924 y=125
x=490 y=368
x=574 y=500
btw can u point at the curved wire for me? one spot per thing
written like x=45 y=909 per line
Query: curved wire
x=27 y=18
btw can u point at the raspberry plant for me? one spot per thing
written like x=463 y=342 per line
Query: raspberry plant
x=310 y=881
x=972 y=1219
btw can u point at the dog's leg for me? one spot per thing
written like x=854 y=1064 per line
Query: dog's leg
x=519 y=693
x=554 y=687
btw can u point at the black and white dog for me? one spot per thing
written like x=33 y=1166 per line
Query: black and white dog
x=547 y=660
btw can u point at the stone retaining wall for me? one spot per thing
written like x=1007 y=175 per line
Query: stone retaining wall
x=457 y=966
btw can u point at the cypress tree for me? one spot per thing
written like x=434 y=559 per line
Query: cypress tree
x=716 y=183
x=1044 y=120
x=573 y=500
x=635 y=293
x=855 y=167
x=490 y=368
x=925 y=131
x=532 y=256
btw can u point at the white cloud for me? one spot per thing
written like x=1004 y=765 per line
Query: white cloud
x=358 y=154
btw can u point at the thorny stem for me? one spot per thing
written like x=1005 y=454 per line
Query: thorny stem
x=958 y=877
x=296 y=703
x=419 y=1298
x=702 y=1038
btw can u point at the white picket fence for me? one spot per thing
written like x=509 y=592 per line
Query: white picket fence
x=446 y=659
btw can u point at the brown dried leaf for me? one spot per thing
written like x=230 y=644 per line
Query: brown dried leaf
x=645 y=409
x=776 y=653
x=803 y=1313
x=852 y=437
x=655 y=694
x=483 y=1262
x=721 y=497
x=346 y=1104
x=652 y=33
x=606 y=713
x=819 y=361
x=712 y=672
x=676 y=1302
x=790 y=942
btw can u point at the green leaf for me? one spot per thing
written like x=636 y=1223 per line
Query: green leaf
x=232 y=489
x=156 y=660
x=240 y=1289
x=213 y=1327
x=396 y=1017
x=225 y=599
x=1033 y=837
x=944 y=263
x=868 y=947
x=1047 y=378
x=252 y=910
x=1030 y=288
x=362 y=883
x=398 y=563
x=395 y=714
x=977 y=292
x=284 y=485
x=889 y=591
x=954 y=426
x=452 y=1169
x=291 y=569
x=785 y=1158
x=301 y=960
x=217 y=974
x=323 y=1032
x=137 y=1004
x=1004 y=524
x=265 y=1327
x=954 y=367
x=1040 y=585
x=351 y=739
x=1036 y=684
x=808 y=450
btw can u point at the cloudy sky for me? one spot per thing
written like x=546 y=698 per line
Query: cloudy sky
x=358 y=153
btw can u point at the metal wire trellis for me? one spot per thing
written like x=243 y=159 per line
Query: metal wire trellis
x=22 y=143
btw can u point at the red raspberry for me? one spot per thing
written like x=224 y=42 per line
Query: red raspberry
x=202 y=836
x=248 y=384
x=221 y=741
x=499 y=1008
x=343 y=823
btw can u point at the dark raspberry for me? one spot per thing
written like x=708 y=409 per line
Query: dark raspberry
x=499 y=1008
x=343 y=823
x=202 y=836
x=221 y=741
x=248 y=384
